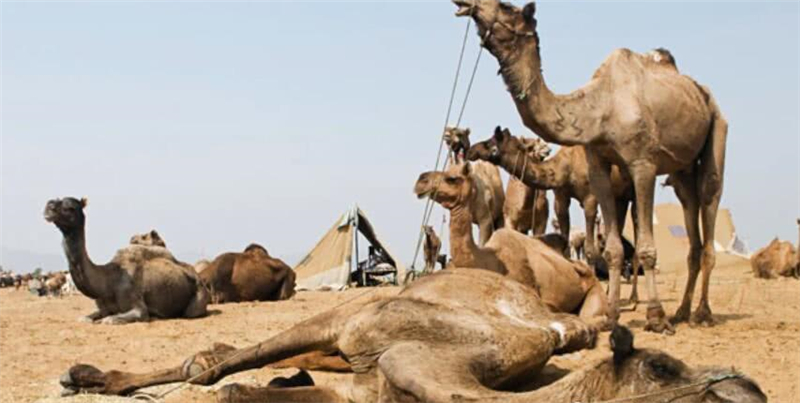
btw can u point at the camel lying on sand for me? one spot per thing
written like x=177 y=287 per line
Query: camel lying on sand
x=489 y=198
x=402 y=348
x=139 y=283
x=779 y=258
x=252 y=275
x=563 y=285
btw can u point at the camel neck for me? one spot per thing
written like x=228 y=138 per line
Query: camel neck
x=579 y=386
x=555 y=118
x=534 y=174
x=463 y=249
x=87 y=276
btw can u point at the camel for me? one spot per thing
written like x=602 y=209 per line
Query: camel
x=489 y=198
x=638 y=113
x=201 y=265
x=252 y=275
x=566 y=173
x=54 y=283
x=151 y=238
x=402 y=348
x=431 y=248
x=563 y=285
x=779 y=258
x=140 y=282
x=527 y=209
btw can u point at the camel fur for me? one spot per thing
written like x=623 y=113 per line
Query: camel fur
x=140 y=282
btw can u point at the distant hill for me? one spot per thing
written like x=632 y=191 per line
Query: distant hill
x=24 y=261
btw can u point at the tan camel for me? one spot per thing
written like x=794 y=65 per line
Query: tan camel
x=201 y=265
x=563 y=285
x=402 y=348
x=489 y=198
x=151 y=238
x=779 y=258
x=431 y=248
x=527 y=209
x=566 y=173
x=637 y=112
x=139 y=283
x=252 y=275
x=54 y=283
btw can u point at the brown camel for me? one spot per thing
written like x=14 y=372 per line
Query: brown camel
x=252 y=275
x=527 y=209
x=489 y=198
x=563 y=285
x=566 y=173
x=54 y=283
x=402 y=348
x=139 y=283
x=638 y=113
x=151 y=238
x=432 y=247
x=779 y=258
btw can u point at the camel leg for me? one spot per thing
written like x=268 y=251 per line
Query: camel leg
x=319 y=333
x=622 y=212
x=315 y=361
x=685 y=185
x=600 y=185
x=595 y=304
x=137 y=314
x=485 y=228
x=287 y=286
x=94 y=316
x=590 y=215
x=644 y=180
x=561 y=206
x=540 y=212
x=198 y=306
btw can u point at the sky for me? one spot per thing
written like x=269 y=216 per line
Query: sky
x=222 y=124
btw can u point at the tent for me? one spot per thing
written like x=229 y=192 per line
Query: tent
x=672 y=241
x=328 y=266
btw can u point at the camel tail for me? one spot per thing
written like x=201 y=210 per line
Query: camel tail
x=712 y=158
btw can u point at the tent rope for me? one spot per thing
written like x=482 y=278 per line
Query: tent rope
x=429 y=204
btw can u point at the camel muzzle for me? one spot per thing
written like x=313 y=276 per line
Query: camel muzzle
x=465 y=8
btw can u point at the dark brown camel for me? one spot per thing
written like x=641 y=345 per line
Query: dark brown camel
x=252 y=275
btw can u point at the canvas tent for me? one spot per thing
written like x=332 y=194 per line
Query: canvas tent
x=672 y=242
x=329 y=264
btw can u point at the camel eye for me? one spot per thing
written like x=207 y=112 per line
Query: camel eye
x=451 y=180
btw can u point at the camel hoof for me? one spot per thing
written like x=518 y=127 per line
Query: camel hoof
x=82 y=378
x=657 y=322
x=681 y=315
x=703 y=317
x=229 y=393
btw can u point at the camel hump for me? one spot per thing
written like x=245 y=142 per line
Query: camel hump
x=255 y=248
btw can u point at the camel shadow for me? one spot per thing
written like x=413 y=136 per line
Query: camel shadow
x=548 y=375
x=213 y=312
x=719 y=319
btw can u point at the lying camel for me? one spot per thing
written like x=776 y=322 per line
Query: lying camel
x=252 y=275
x=488 y=199
x=402 y=348
x=140 y=281
x=151 y=238
x=431 y=248
x=779 y=258
x=563 y=285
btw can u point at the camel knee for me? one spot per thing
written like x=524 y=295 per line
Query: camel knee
x=646 y=256
x=613 y=254
x=708 y=258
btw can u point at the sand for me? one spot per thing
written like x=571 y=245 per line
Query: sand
x=758 y=332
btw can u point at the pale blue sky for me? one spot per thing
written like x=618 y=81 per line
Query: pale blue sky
x=224 y=124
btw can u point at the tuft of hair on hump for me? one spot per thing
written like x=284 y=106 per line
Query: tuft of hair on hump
x=662 y=55
x=621 y=340
x=255 y=247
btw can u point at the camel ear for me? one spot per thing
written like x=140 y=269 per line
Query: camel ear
x=621 y=341
x=528 y=12
x=84 y=202
x=498 y=133
x=467 y=131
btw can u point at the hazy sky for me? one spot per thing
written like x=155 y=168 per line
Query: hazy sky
x=224 y=124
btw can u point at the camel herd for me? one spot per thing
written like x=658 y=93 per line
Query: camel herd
x=479 y=329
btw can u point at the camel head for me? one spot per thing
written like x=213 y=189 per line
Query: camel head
x=501 y=143
x=67 y=213
x=457 y=139
x=429 y=230
x=451 y=188
x=643 y=371
x=537 y=148
x=502 y=26
x=151 y=238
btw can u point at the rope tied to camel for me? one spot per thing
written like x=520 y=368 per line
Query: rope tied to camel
x=647 y=397
x=429 y=204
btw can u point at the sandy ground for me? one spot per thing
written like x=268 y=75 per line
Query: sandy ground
x=758 y=333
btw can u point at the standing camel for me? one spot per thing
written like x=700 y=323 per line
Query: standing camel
x=637 y=112
x=566 y=173
x=432 y=247
x=526 y=208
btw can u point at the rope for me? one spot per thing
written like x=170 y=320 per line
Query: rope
x=186 y=382
x=429 y=204
x=705 y=384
